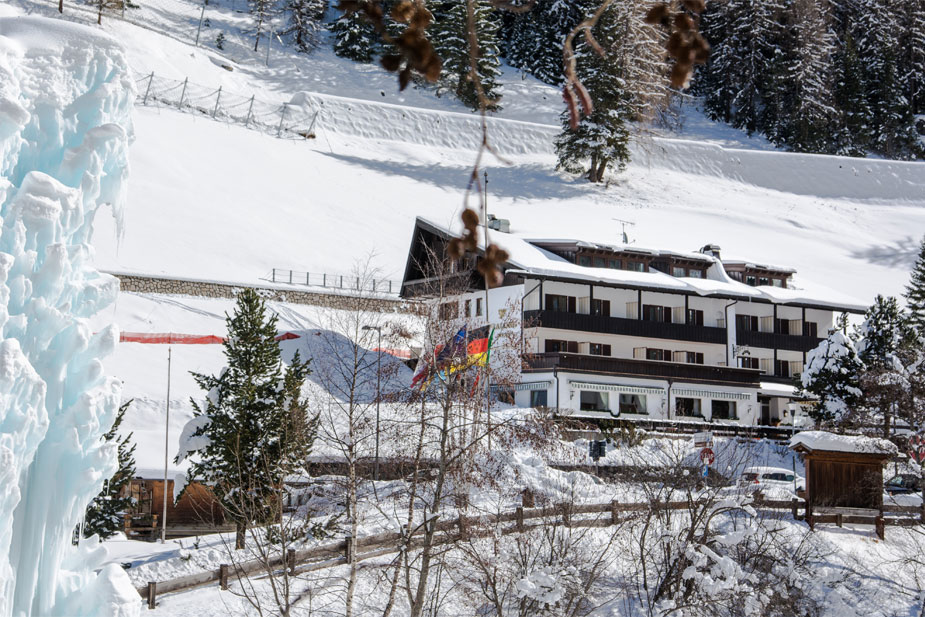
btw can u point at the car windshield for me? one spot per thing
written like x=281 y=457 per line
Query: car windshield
x=896 y=481
x=780 y=477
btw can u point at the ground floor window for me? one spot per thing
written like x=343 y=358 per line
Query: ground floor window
x=593 y=401
x=538 y=398
x=723 y=410
x=687 y=407
x=633 y=403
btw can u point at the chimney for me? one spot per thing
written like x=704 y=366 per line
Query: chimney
x=711 y=249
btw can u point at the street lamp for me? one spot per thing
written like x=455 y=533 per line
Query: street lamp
x=378 y=330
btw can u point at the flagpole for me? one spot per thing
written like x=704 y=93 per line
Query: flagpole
x=166 y=450
x=487 y=313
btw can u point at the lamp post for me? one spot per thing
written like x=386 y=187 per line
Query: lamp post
x=378 y=330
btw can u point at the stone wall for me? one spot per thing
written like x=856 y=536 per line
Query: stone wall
x=209 y=289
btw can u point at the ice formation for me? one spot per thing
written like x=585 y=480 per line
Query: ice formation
x=65 y=123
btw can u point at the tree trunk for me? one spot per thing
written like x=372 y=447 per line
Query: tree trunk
x=60 y=6
x=240 y=529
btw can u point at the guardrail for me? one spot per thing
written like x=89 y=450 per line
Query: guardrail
x=346 y=282
x=341 y=552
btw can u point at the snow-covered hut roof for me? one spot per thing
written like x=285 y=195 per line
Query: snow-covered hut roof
x=814 y=441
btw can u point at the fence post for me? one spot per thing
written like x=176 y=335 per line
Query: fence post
x=223 y=576
x=152 y=594
x=279 y=130
x=390 y=291
x=250 y=110
x=880 y=527
x=201 y=15
x=144 y=101
x=218 y=97
x=306 y=278
x=324 y=283
x=566 y=514
x=519 y=518
x=358 y=284
x=290 y=277
x=614 y=512
x=274 y=275
x=839 y=519
x=349 y=547
x=341 y=281
x=290 y=560
x=461 y=521
x=183 y=93
x=793 y=508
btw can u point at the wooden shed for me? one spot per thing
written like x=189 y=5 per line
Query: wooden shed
x=842 y=471
x=197 y=512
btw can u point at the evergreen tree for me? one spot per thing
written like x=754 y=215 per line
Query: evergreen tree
x=912 y=54
x=852 y=133
x=262 y=11
x=601 y=139
x=354 y=38
x=252 y=430
x=304 y=22
x=832 y=377
x=104 y=514
x=915 y=293
x=452 y=45
x=811 y=111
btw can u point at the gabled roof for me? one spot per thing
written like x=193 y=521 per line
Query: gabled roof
x=528 y=259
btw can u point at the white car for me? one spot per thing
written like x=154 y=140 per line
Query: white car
x=774 y=478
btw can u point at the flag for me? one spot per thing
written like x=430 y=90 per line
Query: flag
x=443 y=357
x=479 y=348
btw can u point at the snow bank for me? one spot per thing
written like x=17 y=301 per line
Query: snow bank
x=823 y=440
x=65 y=103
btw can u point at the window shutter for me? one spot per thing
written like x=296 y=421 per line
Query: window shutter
x=766 y=324
x=796 y=367
x=632 y=310
x=677 y=314
x=584 y=305
x=796 y=327
x=639 y=353
x=765 y=365
x=679 y=356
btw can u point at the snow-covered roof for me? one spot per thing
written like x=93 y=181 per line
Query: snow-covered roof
x=528 y=258
x=830 y=442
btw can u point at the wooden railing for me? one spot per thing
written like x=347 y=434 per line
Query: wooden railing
x=628 y=327
x=648 y=368
x=340 y=552
x=772 y=340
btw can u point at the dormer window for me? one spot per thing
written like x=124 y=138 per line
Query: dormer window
x=763 y=280
x=777 y=282
x=678 y=271
x=751 y=280
x=584 y=260
x=695 y=274
x=636 y=266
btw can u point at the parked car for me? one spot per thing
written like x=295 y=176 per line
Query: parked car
x=763 y=478
x=903 y=483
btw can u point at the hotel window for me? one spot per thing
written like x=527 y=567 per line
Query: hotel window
x=616 y=264
x=678 y=271
x=751 y=280
x=694 y=317
x=777 y=282
x=736 y=276
x=811 y=328
x=467 y=312
x=600 y=262
x=764 y=281
x=695 y=274
x=538 y=398
x=747 y=323
x=478 y=307
x=593 y=401
x=694 y=357
x=687 y=407
x=663 y=355
x=449 y=310
x=748 y=362
x=782 y=368
x=633 y=403
x=723 y=410
x=561 y=304
x=661 y=266
x=636 y=266
x=584 y=260
x=556 y=346
x=600 y=307
x=652 y=312
x=599 y=349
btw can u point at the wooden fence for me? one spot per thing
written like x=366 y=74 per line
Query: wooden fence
x=341 y=552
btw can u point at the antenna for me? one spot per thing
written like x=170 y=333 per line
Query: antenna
x=626 y=238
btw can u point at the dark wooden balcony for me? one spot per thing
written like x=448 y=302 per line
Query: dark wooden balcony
x=625 y=327
x=642 y=368
x=771 y=340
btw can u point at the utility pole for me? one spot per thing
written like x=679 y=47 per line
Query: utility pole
x=166 y=450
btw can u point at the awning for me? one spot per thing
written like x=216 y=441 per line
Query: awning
x=770 y=388
x=612 y=387
x=533 y=385
x=713 y=394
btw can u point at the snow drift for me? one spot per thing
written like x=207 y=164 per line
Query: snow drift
x=65 y=124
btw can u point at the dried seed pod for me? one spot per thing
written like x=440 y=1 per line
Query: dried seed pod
x=680 y=73
x=470 y=219
x=675 y=45
x=683 y=22
x=390 y=62
x=403 y=11
x=657 y=14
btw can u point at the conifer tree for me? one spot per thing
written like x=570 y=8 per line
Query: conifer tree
x=262 y=11
x=832 y=377
x=252 y=430
x=354 y=38
x=452 y=45
x=304 y=22
x=852 y=133
x=915 y=293
x=104 y=514
x=601 y=139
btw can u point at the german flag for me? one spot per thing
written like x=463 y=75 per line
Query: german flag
x=479 y=346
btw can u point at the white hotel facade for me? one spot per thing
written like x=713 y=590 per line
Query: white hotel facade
x=622 y=332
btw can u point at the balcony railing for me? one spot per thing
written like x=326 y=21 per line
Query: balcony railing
x=642 y=368
x=771 y=340
x=626 y=327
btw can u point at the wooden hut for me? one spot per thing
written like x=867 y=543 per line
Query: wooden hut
x=844 y=474
x=197 y=512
